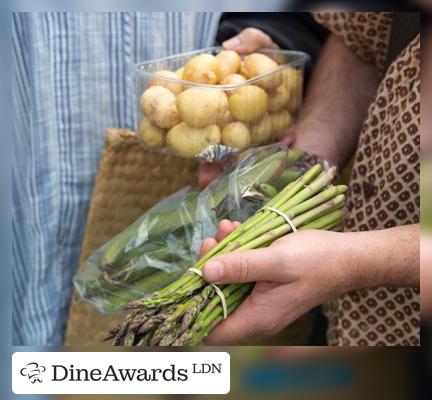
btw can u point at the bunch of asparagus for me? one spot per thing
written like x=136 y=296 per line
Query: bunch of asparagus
x=183 y=313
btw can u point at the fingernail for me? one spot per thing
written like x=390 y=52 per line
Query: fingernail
x=232 y=43
x=213 y=271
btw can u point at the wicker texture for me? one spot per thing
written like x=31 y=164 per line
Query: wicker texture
x=130 y=180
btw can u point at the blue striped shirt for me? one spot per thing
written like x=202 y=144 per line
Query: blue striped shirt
x=70 y=83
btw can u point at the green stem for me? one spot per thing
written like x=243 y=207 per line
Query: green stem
x=302 y=219
x=227 y=291
x=277 y=221
x=217 y=315
x=332 y=217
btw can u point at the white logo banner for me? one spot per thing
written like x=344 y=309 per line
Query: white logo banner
x=120 y=373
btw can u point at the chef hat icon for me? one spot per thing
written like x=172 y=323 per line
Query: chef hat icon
x=32 y=371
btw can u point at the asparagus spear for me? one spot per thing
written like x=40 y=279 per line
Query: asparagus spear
x=267 y=190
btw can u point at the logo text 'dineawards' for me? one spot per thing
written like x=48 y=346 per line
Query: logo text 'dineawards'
x=113 y=374
x=121 y=373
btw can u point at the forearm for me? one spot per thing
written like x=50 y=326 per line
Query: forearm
x=337 y=99
x=389 y=257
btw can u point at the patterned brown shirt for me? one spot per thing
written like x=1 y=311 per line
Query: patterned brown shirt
x=384 y=181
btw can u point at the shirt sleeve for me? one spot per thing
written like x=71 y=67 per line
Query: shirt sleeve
x=367 y=34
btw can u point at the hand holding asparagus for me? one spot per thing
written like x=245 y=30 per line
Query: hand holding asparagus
x=186 y=311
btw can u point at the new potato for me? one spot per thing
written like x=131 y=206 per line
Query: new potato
x=173 y=87
x=259 y=64
x=281 y=121
x=187 y=141
x=261 y=131
x=179 y=73
x=224 y=119
x=204 y=68
x=233 y=79
x=279 y=99
x=248 y=103
x=159 y=106
x=295 y=100
x=236 y=134
x=242 y=68
x=151 y=135
x=201 y=107
x=292 y=79
x=229 y=63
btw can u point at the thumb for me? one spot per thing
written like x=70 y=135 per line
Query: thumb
x=246 y=266
x=248 y=41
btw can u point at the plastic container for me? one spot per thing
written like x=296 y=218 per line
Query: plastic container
x=210 y=121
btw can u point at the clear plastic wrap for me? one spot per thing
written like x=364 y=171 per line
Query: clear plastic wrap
x=181 y=109
x=158 y=247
